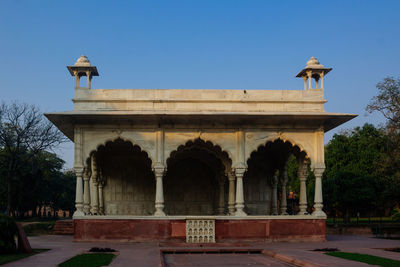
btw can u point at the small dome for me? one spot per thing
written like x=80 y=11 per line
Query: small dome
x=82 y=61
x=314 y=64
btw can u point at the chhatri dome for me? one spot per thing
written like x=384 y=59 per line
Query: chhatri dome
x=82 y=61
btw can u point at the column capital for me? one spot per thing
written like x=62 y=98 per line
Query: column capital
x=231 y=175
x=79 y=171
x=275 y=178
x=318 y=172
x=86 y=174
x=240 y=169
x=159 y=169
x=302 y=172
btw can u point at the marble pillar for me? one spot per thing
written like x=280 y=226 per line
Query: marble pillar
x=239 y=172
x=231 y=194
x=94 y=192
x=101 y=199
x=159 y=171
x=221 y=197
x=302 y=174
x=318 y=201
x=240 y=169
x=86 y=191
x=79 y=192
x=284 y=180
x=274 y=210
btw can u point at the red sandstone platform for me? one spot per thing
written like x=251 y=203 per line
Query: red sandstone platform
x=175 y=229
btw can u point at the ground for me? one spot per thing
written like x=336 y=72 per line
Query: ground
x=148 y=254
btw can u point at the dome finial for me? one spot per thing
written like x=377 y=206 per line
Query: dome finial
x=314 y=63
x=82 y=61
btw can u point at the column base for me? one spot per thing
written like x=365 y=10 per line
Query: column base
x=159 y=213
x=231 y=209
x=78 y=213
x=319 y=213
x=221 y=211
x=240 y=213
x=86 y=209
x=302 y=213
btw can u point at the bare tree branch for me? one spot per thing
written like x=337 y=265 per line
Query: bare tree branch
x=24 y=128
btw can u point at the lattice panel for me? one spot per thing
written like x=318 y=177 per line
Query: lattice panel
x=200 y=231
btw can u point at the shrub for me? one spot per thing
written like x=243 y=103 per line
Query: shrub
x=396 y=215
x=40 y=228
x=8 y=231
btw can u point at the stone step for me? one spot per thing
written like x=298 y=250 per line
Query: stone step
x=64 y=227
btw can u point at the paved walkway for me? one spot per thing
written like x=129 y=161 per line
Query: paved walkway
x=148 y=254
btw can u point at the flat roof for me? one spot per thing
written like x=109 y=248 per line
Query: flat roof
x=66 y=121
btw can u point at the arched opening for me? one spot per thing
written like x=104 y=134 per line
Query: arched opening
x=126 y=178
x=195 y=182
x=265 y=181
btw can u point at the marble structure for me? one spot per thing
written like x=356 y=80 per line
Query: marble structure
x=147 y=160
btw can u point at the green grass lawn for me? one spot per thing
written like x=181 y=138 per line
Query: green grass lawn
x=6 y=258
x=365 y=258
x=89 y=260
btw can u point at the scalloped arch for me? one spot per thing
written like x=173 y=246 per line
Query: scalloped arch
x=216 y=150
x=96 y=146
x=284 y=140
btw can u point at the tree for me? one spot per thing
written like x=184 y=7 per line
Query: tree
x=24 y=132
x=387 y=102
x=353 y=180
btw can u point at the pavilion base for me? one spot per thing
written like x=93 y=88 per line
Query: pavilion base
x=226 y=230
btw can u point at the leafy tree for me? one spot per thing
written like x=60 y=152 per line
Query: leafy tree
x=353 y=179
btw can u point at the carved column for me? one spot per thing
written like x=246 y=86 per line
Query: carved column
x=94 y=193
x=284 y=180
x=240 y=169
x=101 y=183
x=79 y=192
x=159 y=171
x=221 y=197
x=101 y=200
x=86 y=191
x=318 y=202
x=76 y=79
x=321 y=75
x=239 y=172
x=303 y=173
x=275 y=193
x=88 y=79
x=231 y=196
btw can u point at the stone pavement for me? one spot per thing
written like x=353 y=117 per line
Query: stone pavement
x=148 y=254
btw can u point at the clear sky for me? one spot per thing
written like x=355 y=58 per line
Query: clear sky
x=200 y=45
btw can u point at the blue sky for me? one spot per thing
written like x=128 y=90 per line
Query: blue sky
x=198 y=44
